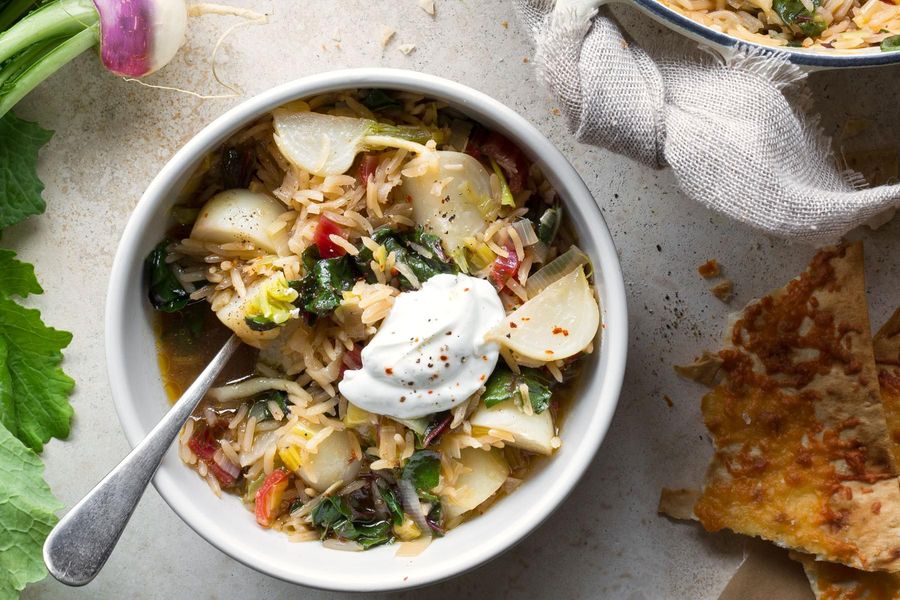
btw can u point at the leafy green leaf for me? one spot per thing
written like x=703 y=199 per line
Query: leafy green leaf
x=377 y=100
x=334 y=514
x=795 y=14
x=322 y=286
x=424 y=267
x=165 y=291
x=503 y=385
x=393 y=504
x=549 y=223
x=365 y=534
x=891 y=44
x=16 y=277
x=20 y=187
x=33 y=402
x=260 y=408
x=27 y=513
x=423 y=469
x=330 y=512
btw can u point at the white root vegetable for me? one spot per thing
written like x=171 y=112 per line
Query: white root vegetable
x=487 y=471
x=238 y=215
x=234 y=316
x=532 y=432
x=559 y=322
x=334 y=460
x=327 y=144
x=449 y=201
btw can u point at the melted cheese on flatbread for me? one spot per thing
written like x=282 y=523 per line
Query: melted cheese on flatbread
x=837 y=582
x=802 y=455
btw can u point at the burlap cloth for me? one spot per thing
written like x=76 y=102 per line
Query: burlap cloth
x=736 y=133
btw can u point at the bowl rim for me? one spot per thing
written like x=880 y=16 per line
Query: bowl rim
x=798 y=56
x=571 y=189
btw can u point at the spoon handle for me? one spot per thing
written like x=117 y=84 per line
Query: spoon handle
x=82 y=541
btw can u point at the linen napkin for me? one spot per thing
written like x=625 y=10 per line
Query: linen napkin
x=735 y=132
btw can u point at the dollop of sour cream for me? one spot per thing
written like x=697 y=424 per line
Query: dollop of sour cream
x=429 y=354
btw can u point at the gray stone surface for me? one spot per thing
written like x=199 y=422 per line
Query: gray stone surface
x=606 y=540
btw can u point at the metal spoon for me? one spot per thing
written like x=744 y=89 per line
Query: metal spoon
x=82 y=541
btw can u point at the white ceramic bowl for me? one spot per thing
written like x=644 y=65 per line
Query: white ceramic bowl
x=140 y=400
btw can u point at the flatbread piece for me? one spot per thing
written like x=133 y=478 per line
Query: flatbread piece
x=837 y=582
x=802 y=455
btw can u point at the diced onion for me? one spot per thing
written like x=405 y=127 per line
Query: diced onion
x=540 y=252
x=411 y=505
x=226 y=465
x=526 y=232
x=460 y=131
x=250 y=387
x=558 y=268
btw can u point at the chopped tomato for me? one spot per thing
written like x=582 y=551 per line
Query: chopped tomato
x=367 y=165
x=352 y=359
x=322 y=238
x=504 y=267
x=515 y=164
x=205 y=445
x=269 y=495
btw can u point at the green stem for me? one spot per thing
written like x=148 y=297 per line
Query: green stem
x=62 y=18
x=13 y=12
x=25 y=59
x=29 y=79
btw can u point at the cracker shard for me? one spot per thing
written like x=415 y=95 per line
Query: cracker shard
x=802 y=454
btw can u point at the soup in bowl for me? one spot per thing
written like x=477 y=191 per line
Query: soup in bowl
x=433 y=322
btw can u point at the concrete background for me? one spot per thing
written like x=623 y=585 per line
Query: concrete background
x=606 y=540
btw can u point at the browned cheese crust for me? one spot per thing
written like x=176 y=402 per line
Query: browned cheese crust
x=837 y=582
x=802 y=454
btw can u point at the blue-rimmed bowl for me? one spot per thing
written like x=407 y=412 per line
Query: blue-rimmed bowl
x=810 y=59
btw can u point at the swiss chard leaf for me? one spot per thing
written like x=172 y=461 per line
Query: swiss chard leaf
x=237 y=166
x=334 y=514
x=330 y=512
x=27 y=513
x=424 y=267
x=423 y=470
x=392 y=503
x=548 y=225
x=430 y=242
x=794 y=13
x=260 y=408
x=322 y=286
x=366 y=535
x=20 y=187
x=377 y=100
x=503 y=385
x=16 y=277
x=165 y=291
x=33 y=389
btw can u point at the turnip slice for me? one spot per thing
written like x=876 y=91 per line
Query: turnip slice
x=559 y=322
x=334 y=460
x=238 y=216
x=233 y=315
x=140 y=36
x=446 y=200
x=532 y=432
x=327 y=144
x=487 y=470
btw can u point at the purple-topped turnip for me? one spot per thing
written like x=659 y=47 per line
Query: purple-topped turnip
x=136 y=38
